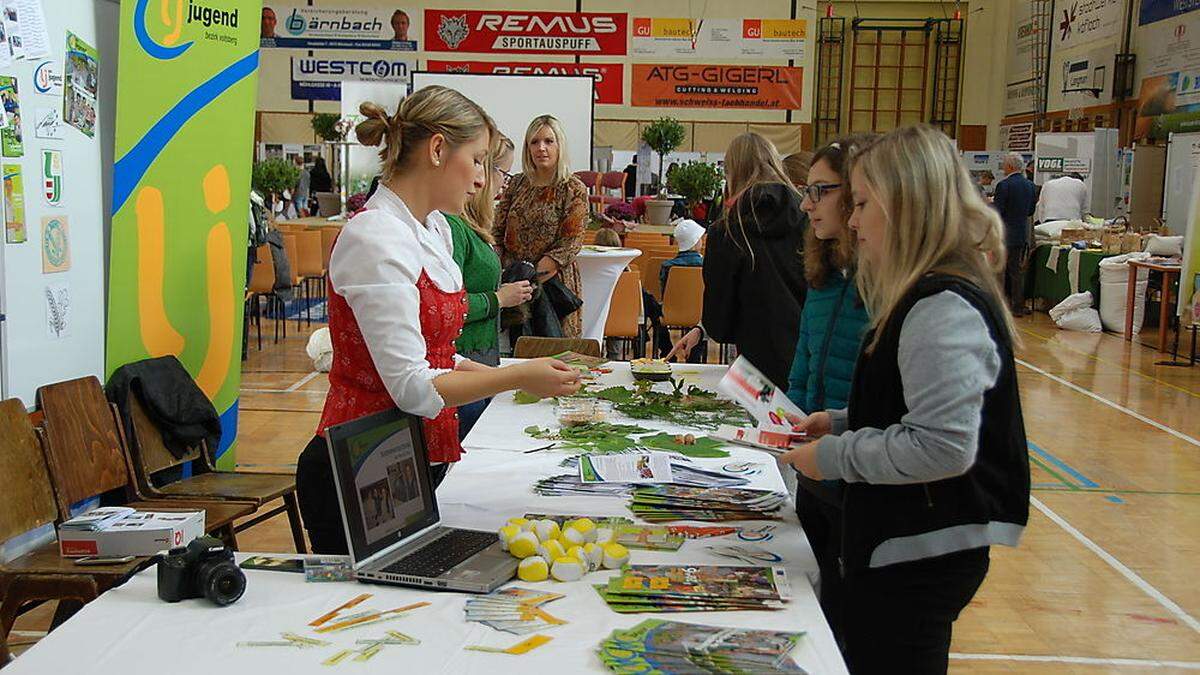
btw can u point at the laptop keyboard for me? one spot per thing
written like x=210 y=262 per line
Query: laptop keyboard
x=442 y=554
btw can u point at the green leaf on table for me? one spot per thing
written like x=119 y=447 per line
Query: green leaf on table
x=703 y=447
x=615 y=394
x=525 y=398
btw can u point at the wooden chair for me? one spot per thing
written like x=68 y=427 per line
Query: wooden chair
x=683 y=298
x=649 y=239
x=328 y=236
x=624 y=321
x=530 y=347
x=292 y=251
x=150 y=455
x=85 y=451
x=605 y=183
x=651 y=282
x=262 y=285
x=26 y=503
x=310 y=268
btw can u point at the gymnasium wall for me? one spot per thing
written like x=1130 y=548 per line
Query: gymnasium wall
x=617 y=125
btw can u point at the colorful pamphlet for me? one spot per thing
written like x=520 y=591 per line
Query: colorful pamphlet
x=668 y=647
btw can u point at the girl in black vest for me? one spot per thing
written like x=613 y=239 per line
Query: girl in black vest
x=932 y=444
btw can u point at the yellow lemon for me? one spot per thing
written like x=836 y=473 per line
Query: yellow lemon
x=615 y=555
x=523 y=545
x=551 y=550
x=533 y=568
x=546 y=530
x=567 y=568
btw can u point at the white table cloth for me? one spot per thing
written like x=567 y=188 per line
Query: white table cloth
x=129 y=631
x=598 y=272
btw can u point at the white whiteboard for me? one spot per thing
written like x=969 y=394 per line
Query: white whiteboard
x=31 y=357
x=514 y=100
x=1183 y=161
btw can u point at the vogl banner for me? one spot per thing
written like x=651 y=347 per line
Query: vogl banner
x=510 y=32
x=714 y=86
x=610 y=80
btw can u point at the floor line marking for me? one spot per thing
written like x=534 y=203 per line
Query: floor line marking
x=303 y=381
x=1132 y=413
x=1066 y=484
x=1083 y=480
x=248 y=390
x=1106 y=491
x=1081 y=660
x=1119 y=566
x=1116 y=364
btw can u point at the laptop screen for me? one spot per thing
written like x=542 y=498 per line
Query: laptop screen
x=382 y=477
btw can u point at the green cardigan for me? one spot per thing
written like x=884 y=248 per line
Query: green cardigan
x=481 y=277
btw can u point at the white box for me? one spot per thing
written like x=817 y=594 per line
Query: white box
x=140 y=533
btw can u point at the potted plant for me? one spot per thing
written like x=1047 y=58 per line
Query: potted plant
x=662 y=135
x=325 y=125
x=696 y=181
x=271 y=177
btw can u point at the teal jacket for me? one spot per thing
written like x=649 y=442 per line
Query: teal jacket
x=832 y=324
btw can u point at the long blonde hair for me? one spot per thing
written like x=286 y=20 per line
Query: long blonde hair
x=750 y=161
x=480 y=211
x=428 y=111
x=936 y=223
x=563 y=170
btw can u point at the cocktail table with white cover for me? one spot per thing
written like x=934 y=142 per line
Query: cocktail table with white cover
x=598 y=272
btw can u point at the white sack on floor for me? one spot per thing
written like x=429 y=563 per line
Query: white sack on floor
x=320 y=350
x=1076 y=313
x=1114 y=283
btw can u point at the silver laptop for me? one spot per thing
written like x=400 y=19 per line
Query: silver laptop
x=390 y=513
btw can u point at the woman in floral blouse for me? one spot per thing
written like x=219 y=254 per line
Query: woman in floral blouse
x=542 y=214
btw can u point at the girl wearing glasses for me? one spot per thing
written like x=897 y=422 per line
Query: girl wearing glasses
x=753 y=279
x=931 y=445
x=472 y=236
x=831 y=329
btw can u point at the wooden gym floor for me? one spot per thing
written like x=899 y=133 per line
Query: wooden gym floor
x=1105 y=579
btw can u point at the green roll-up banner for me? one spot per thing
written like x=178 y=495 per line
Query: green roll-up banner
x=186 y=89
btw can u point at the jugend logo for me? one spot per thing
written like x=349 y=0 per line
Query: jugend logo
x=381 y=69
x=296 y=24
x=208 y=17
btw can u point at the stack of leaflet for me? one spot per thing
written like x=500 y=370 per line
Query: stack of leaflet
x=683 y=474
x=695 y=588
x=97 y=519
x=670 y=647
x=666 y=503
x=513 y=610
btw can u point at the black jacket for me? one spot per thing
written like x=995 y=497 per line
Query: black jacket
x=1015 y=201
x=988 y=504
x=754 y=286
x=171 y=399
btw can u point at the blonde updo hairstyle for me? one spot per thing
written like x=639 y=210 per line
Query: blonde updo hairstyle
x=425 y=113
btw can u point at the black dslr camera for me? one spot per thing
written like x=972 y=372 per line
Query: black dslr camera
x=203 y=568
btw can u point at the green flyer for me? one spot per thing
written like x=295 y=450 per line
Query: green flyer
x=10 y=136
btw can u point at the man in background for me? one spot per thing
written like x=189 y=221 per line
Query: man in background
x=1062 y=198
x=302 y=189
x=1014 y=200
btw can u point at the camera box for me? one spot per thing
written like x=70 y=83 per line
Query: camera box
x=136 y=533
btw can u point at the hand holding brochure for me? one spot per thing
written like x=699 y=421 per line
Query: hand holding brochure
x=767 y=403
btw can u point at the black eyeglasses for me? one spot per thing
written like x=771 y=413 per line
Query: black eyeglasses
x=816 y=192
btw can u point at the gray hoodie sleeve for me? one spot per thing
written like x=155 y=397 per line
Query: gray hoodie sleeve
x=947 y=362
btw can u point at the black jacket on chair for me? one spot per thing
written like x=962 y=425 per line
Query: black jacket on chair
x=754 y=285
x=171 y=399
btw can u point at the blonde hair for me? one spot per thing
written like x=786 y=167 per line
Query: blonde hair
x=823 y=256
x=563 y=170
x=750 y=161
x=425 y=113
x=480 y=211
x=936 y=223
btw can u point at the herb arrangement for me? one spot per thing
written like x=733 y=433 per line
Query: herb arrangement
x=608 y=438
x=690 y=407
